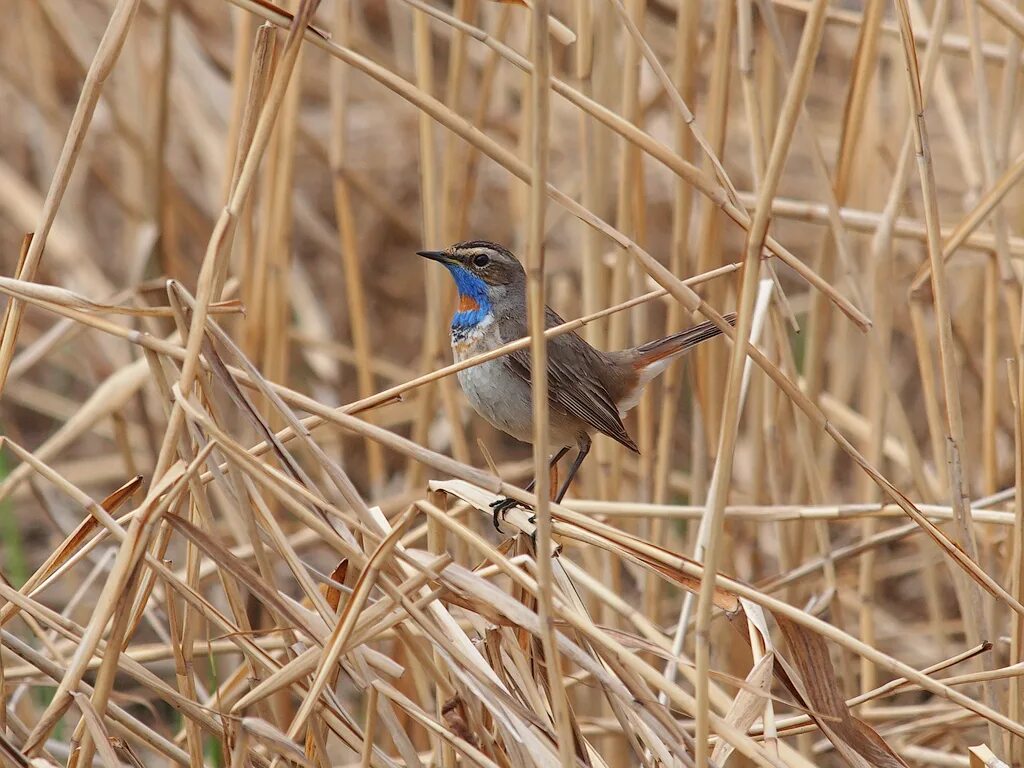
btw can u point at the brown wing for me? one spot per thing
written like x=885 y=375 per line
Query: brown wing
x=574 y=388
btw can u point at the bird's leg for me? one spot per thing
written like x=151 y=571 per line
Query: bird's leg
x=584 y=449
x=502 y=506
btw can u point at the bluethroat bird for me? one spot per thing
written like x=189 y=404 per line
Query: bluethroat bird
x=588 y=390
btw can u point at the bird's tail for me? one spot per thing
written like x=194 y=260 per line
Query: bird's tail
x=650 y=359
x=657 y=354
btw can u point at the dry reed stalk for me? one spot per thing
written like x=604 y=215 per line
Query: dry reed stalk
x=1015 y=378
x=349 y=237
x=430 y=231
x=684 y=77
x=881 y=254
x=538 y=130
x=106 y=56
x=730 y=421
x=971 y=600
x=629 y=200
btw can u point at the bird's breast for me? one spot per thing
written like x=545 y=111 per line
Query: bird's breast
x=499 y=396
x=472 y=338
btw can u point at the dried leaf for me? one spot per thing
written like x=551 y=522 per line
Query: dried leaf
x=275 y=740
x=817 y=687
x=331 y=593
x=454 y=714
x=983 y=757
x=748 y=704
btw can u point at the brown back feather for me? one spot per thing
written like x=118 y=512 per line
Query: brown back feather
x=586 y=383
x=578 y=377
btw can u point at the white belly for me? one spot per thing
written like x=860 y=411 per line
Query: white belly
x=501 y=397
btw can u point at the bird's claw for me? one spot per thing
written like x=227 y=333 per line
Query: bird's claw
x=501 y=508
x=532 y=520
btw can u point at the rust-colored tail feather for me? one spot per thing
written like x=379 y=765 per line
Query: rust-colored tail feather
x=677 y=343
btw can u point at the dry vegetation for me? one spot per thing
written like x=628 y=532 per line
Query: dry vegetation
x=243 y=505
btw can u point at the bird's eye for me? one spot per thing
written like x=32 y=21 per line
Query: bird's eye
x=481 y=259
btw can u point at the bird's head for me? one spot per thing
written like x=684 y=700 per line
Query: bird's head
x=484 y=273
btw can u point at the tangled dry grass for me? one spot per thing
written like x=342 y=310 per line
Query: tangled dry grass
x=244 y=509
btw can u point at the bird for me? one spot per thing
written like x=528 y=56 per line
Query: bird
x=589 y=391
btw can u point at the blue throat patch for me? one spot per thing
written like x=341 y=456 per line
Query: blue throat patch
x=473 y=288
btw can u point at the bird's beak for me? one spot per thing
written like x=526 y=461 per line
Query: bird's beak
x=440 y=256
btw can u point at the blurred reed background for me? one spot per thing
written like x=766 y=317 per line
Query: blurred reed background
x=243 y=503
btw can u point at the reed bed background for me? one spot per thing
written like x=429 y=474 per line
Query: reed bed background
x=243 y=503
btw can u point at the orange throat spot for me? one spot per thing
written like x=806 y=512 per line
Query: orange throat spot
x=467 y=304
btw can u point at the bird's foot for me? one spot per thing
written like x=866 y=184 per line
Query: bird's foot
x=532 y=520
x=501 y=508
